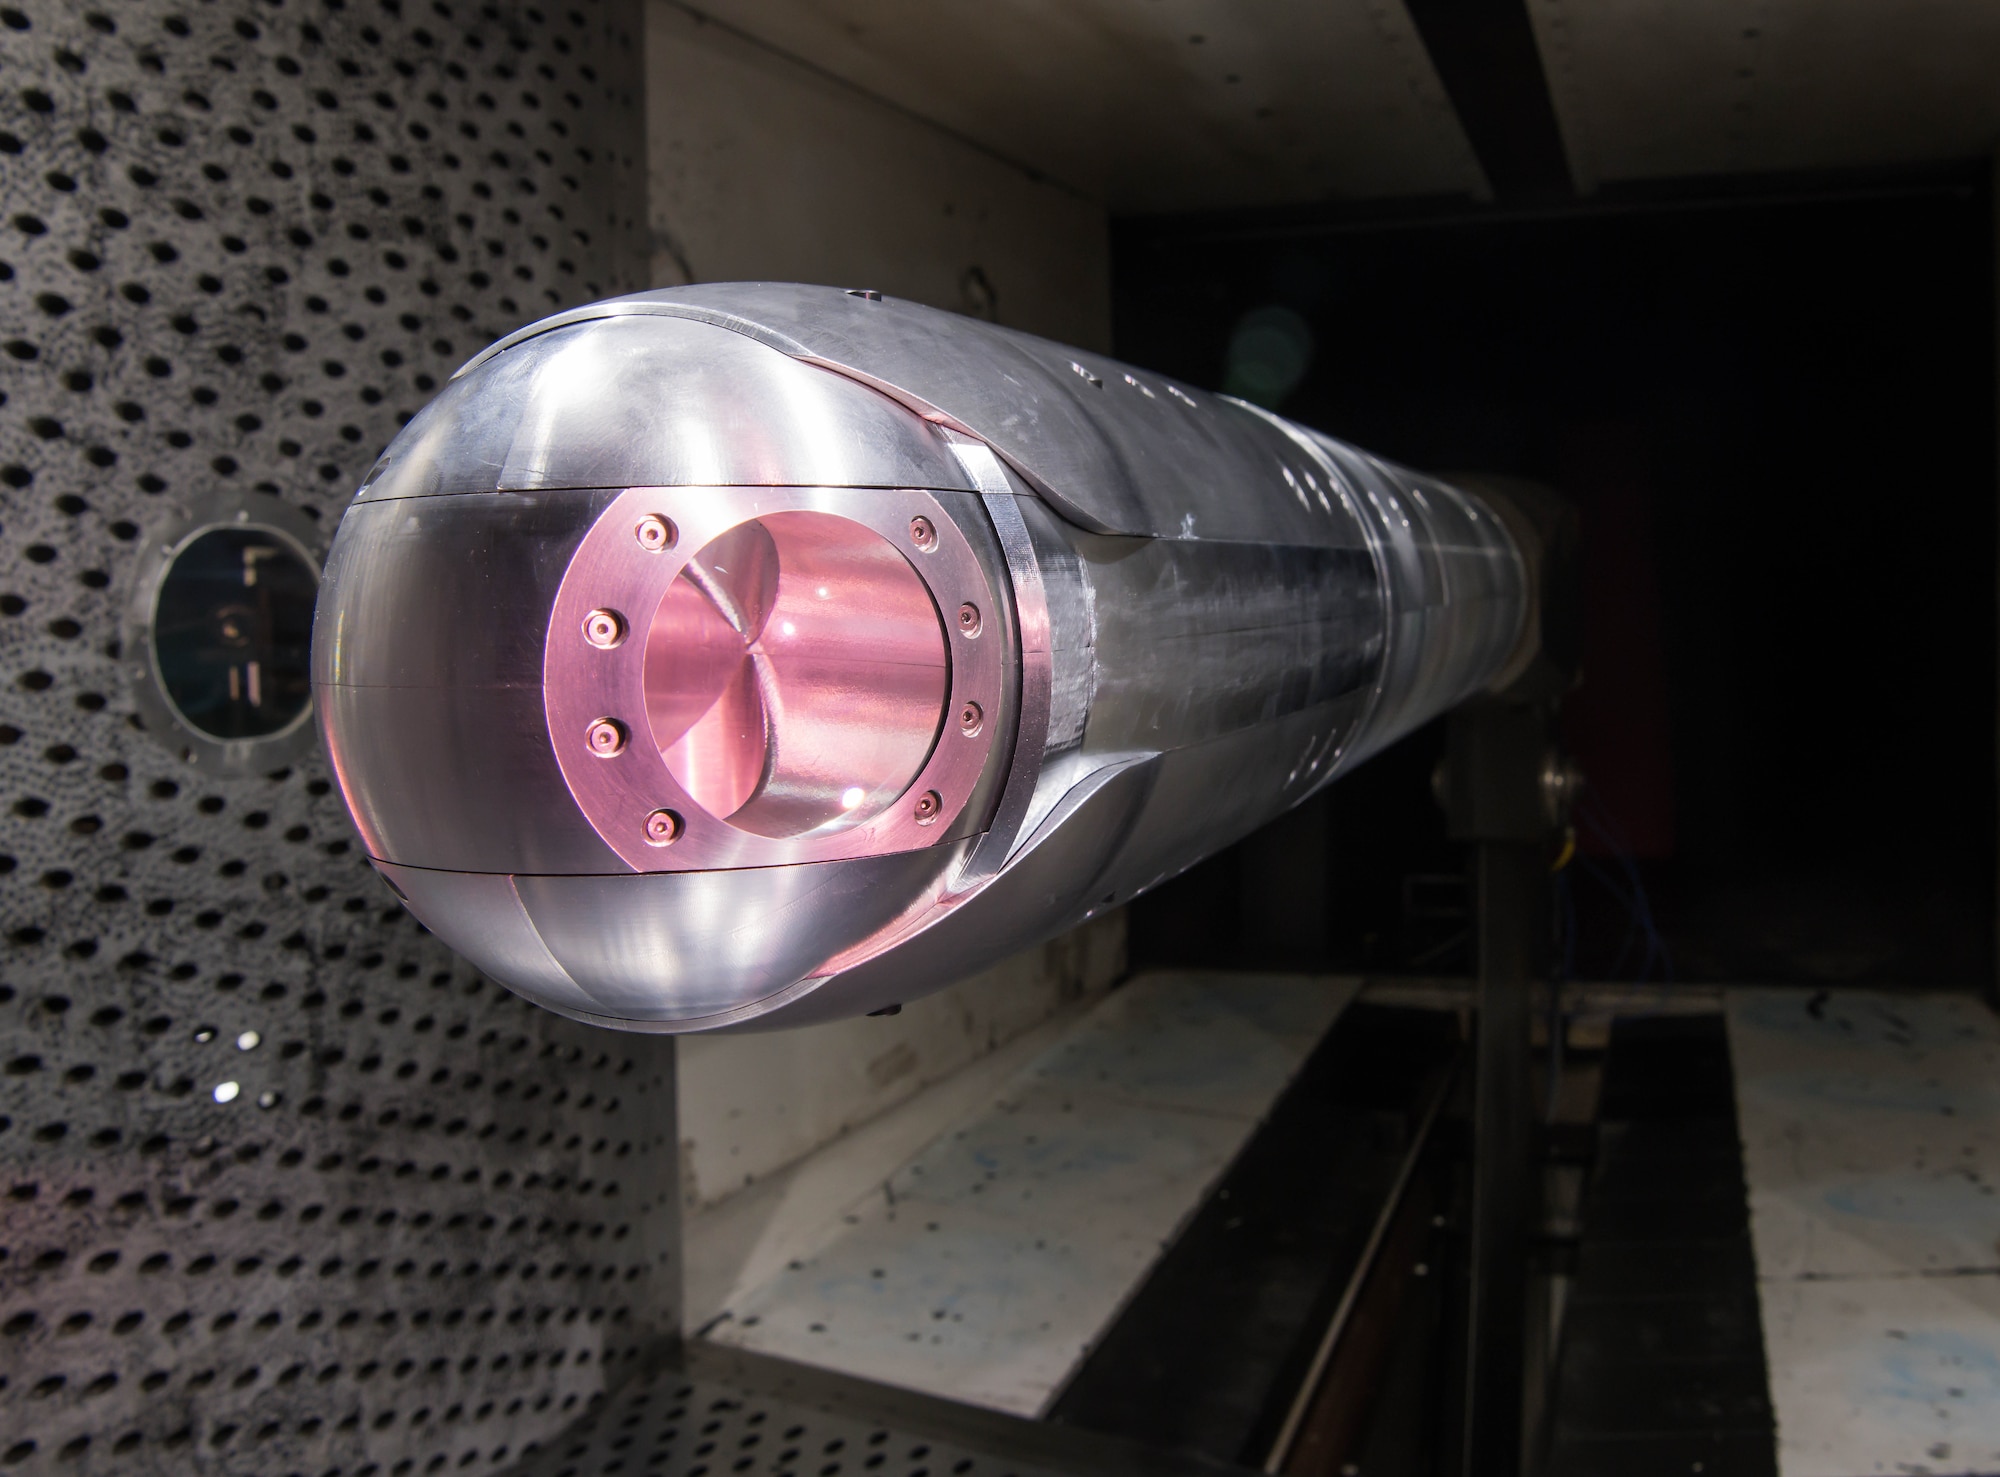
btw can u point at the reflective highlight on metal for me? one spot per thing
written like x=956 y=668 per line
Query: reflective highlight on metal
x=795 y=674
x=916 y=640
x=790 y=677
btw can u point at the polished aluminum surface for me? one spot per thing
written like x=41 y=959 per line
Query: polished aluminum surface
x=1114 y=449
x=611 y=402
x=796 y=674
x=427 y=674
x=787 y=679
x=649 y=951
x=867 y=644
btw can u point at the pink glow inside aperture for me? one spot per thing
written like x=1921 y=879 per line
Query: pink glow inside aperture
x=796 y=675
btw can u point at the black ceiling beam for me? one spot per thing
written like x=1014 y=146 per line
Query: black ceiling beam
x=1486 y=56
x=1962 y=179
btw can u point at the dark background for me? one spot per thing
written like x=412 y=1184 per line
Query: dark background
x=1776 y=413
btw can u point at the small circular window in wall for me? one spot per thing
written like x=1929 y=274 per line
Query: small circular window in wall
x=232 y=633
x=224 y=612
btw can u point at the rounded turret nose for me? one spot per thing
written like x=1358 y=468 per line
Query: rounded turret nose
x=635 y=656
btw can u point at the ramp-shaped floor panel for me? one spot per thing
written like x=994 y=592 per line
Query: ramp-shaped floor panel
x=983 y=1269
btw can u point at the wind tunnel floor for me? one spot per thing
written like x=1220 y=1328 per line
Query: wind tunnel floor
x=1871 y=1144
x=1851 y=1137
x=986 y=1267
x=705 y=1412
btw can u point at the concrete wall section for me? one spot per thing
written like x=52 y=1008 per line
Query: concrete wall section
x=763 y=169
x=752 y=1104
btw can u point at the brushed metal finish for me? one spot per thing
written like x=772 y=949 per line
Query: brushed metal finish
x=1072 y=621
x=488 y=926
x=427 y=672
x=1454 y=587
x=579 y=683
x=701 y=950
x=1206 y=613
x=1113 y=448
x=669 y=951
x=1251 y=632
x=1022 y=732
x=1044 y=885
x=609 y=402
x=823 y=677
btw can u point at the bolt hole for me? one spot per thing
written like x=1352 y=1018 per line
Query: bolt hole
x=604 y=629
x=656 y=534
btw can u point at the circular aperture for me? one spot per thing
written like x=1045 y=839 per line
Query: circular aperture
x=796 y=675
x=232 y=633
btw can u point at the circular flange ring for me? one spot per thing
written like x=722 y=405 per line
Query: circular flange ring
x=587 y=684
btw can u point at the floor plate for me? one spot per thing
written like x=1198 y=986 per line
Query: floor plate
x=984 y=1267
x=1871 y=1141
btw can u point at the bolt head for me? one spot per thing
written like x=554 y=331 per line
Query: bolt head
x=604 y=629
x=923 y=534
x=929 y=805
x=971 y=718
x=968 y=619
x=605 y=738
x=663 y=828
x=655 y=534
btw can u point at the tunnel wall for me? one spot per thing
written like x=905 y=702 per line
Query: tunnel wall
x=243 y=241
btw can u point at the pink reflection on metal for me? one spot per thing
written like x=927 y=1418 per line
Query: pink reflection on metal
x=796 y=675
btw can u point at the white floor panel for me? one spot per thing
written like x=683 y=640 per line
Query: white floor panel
x=745 y=1239
x=1871 y=1131
x=984 y=1268
x=1871 y=1143
x=1890 y=1375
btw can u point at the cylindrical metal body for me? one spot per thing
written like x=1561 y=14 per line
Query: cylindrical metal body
x=770 y=653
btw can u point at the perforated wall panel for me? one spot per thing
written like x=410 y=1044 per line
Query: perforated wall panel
x=244 y=240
